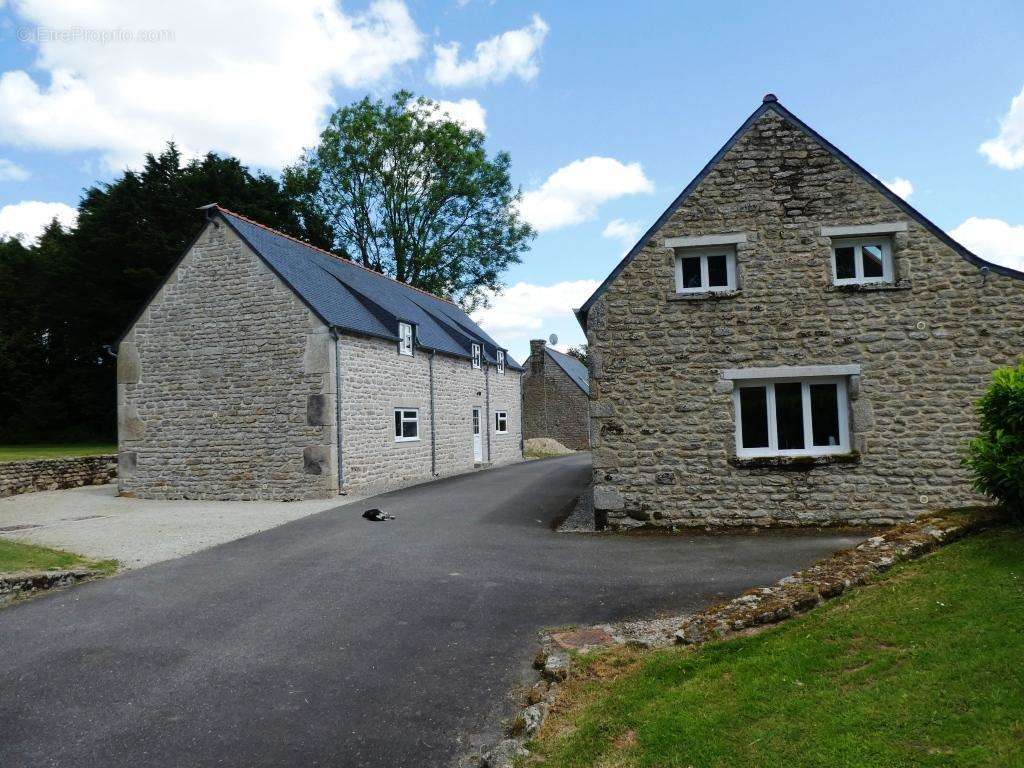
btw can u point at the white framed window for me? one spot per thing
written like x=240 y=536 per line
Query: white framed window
x=706 y=270
x=792 y=417
x=476 y=355
x=501 y=422
x=405 y=339
x=862 y=260
x=407 y=425
x=501 y=361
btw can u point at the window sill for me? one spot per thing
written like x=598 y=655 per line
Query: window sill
x=902 y=285
x=703 y=295
x=794 y=463
x=407 y=439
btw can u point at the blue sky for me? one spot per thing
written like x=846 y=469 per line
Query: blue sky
x=608 y=109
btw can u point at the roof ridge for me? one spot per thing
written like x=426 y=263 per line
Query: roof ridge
x=278 y=232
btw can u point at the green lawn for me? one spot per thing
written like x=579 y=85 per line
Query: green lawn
x=53 y=450
x=923 y=668
x=15 y=556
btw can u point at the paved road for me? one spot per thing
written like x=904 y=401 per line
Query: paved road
x=333 y=641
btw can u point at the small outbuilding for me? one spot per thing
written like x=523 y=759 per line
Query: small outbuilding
x=556 y=397
x=265 y=368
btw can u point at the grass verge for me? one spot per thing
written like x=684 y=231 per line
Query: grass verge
x=53 y=450
x=921 y=668
x=16 y=556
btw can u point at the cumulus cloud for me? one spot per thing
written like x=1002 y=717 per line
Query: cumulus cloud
x=469 y=112
x=573 y=193
x=12 y=171
x=526 y=308
x=626 y=232
x=512 y=53
x=247 y=77
x=1007 y=149
x=899 y=186
x=994 y=240
x=27 y=220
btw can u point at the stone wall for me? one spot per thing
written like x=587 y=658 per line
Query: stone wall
x=663 y=419
x=554 y=405
x=376 y=380
x=225 y=385
x=52 y=474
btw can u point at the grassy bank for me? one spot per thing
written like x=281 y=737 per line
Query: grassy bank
x=922 y=668
x=15 y=556
x=53 y=450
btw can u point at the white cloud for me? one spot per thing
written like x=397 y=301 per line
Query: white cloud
x=627 y=232
x=994 y=240
x=1007 y=149
x=899 y=186
x=525 y=308
x=469 y=112
x=247 y=77
x=12 y=171
x=511 y=53
x=573 y=193
x=26 y=220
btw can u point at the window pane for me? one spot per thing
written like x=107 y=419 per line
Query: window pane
x=398 y=423
x=410 y=429
x=872 y=260
x=789 y=415
x=718 y=271
x=754 y=416
x=845 y=269
x=825 y=414
x=691 y=272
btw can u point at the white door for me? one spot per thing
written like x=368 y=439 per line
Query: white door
x=478 y=446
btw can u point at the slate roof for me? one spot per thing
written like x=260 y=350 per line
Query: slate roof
x=771 y=103
x=350 y=297
x=573 y=368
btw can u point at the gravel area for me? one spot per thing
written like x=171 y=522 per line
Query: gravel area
x=95 y=522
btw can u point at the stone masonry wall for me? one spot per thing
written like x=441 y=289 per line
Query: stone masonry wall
x=376 y=380
x=225 y=385
x=663 y=416
x=555 y=406
x=51 y=474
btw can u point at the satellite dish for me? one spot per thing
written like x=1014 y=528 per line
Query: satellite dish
x=553 y=338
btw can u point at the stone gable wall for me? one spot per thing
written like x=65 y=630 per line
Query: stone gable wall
x=555 y=406
x=225 y=385
x=663 y=419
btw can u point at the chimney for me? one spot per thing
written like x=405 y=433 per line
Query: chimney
x=537 y=355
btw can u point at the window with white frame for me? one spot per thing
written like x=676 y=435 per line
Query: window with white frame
x=862 y=260
x=501 y=422
x=791 y=417
x=476 y=355
x=501 y=361
x=706 y=270
x=407 y=425
x=404 y=339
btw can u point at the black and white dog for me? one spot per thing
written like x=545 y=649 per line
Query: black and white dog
x=377 y=516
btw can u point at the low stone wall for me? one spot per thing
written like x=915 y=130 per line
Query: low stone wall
x=52 y=474
x=13 y=585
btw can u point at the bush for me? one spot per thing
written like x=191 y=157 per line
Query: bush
x=996 y=458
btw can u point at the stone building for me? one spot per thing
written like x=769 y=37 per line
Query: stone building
x=556 y=397
x=791 y=343
x=265 y=368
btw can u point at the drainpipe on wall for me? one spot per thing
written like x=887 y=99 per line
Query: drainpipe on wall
x=487 y=400
x=522 y=431
x=433 y=432
x=337 y=406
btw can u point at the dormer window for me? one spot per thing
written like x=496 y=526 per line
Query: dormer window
x=405 y=339
x=862 y=260
x=501 y=361
x=476 y=355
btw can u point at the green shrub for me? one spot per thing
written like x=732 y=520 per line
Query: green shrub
x=996 y=458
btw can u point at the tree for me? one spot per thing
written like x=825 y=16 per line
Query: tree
x=581 y=353
x=996 y=456
x=411 y=194
x=73 y=293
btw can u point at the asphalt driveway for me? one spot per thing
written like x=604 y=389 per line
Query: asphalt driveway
x=333 y=641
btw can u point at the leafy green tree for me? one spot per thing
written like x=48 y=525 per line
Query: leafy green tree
x=996 y=457
x=413 y=195
x=581 y=353
x=71 y=295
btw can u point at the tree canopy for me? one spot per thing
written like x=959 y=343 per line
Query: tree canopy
x=406 y=191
